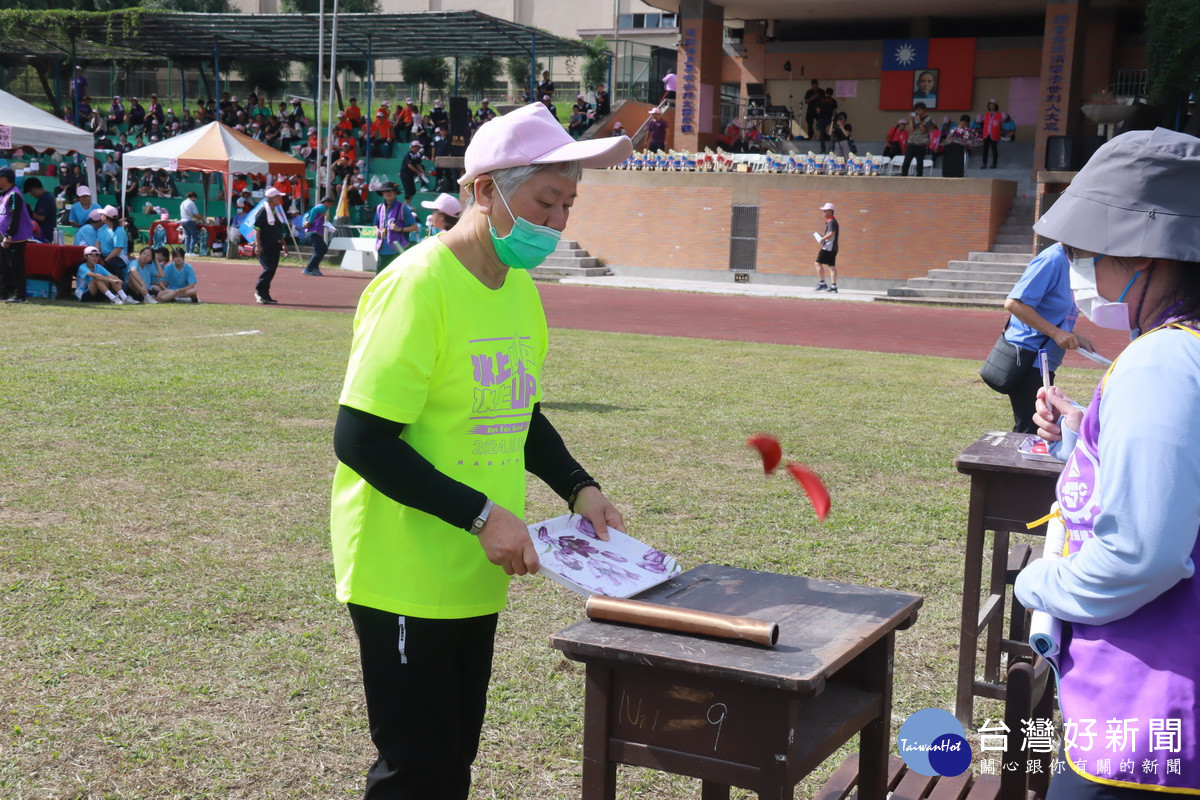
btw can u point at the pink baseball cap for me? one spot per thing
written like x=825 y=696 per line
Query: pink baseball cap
x=95 y=215
x=445 y=203
x=87 y=251
x=827 y=207
x=83 y=191
x=272 y=192
x=531 y=135
x=109 y=211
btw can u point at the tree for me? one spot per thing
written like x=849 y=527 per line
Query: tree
x=432 y=72
x=1172 y=49
x=57 y=23
x=517 y=69
x=268 y=78
x=478 y=74
x=595 y=64
x=358 y=67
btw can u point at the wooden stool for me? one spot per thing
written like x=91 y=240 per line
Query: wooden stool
x=1029 y=696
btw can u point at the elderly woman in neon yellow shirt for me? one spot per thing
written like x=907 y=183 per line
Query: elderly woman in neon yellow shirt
x=440 y=419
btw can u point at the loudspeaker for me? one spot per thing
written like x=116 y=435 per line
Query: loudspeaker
x=1087 y=146
x=1060 y=153
x=954 y=158
x=460 y=125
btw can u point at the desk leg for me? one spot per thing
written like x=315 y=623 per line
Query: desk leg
x=713 y=791
x=995 y=628
x=599 y=773
x=972 y=576
x=874 y=742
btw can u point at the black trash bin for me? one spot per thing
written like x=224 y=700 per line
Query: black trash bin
x=954 y=160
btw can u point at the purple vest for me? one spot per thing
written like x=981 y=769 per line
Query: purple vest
x=24 y=231
x=1132 y=684
x=316 y=226
x=383 y=215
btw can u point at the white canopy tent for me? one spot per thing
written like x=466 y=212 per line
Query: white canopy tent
x=23 y=125
x=211 y=148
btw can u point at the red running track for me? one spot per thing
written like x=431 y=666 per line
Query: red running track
x=839 y=324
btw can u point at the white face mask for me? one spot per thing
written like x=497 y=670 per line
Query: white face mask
x=1103 y=313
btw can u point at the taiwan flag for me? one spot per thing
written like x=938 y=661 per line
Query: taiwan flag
x=937 y=72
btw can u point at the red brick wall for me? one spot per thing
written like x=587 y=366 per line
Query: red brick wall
x=1008 y=63
x=892 y=228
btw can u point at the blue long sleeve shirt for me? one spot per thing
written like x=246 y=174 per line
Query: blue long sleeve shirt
x=1149 y=485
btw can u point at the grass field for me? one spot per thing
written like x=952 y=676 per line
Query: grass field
x=167 y=620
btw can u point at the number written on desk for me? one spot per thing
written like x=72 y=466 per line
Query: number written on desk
x=716 y=716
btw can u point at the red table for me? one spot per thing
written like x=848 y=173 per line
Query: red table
x=57 y=262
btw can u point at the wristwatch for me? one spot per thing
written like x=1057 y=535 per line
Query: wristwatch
x=481 y=520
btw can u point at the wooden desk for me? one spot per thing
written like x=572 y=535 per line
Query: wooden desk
x=1007 y=491
x=734 y=714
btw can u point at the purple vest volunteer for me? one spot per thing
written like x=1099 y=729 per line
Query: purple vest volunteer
x=1138 y=676
x=24 y=231
x=316 y=225
x=383 y=215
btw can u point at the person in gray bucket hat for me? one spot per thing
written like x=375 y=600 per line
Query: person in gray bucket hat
x=1122 y=541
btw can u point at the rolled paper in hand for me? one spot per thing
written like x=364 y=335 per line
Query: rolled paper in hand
x=682 y=620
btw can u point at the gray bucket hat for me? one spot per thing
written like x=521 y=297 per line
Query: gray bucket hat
x=1137 y=197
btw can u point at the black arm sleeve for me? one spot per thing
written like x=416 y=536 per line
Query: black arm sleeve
x=547 y=457
x=372 y=447
x=14 y=213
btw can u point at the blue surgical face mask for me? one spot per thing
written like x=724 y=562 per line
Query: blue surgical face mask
x=527 y=245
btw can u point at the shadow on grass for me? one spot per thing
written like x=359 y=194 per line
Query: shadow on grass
x=596 y=408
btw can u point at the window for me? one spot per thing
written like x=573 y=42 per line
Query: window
x=643 y=21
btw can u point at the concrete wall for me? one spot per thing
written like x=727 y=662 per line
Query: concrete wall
x=665 y=224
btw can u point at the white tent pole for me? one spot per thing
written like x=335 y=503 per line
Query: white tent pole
x=91 y=171
x=332 y=78
x=317 y=104
x=228 y=206
x=124 y=180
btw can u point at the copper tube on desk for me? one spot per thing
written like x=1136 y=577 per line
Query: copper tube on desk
x=682 y=620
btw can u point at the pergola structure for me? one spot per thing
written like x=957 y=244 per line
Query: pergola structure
x=293 y=37
x=298 y=37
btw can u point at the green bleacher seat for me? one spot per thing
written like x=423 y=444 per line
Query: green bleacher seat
x=182 y=188
x=144 y=221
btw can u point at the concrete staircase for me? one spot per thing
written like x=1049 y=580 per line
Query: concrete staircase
x=569 y=260
x=983 y=279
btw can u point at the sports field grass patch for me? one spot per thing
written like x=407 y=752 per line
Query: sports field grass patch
x=167 y=620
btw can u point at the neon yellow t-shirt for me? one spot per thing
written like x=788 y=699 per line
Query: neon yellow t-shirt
x=460 y=365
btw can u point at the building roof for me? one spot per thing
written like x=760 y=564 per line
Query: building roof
x=293 y=37
x=822 y=10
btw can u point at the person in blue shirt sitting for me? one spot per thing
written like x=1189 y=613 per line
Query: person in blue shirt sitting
x=93 y=281
x=145 y=277
x=88 y=234
x=78 y=215
x=113 y=242
x=180 y=279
